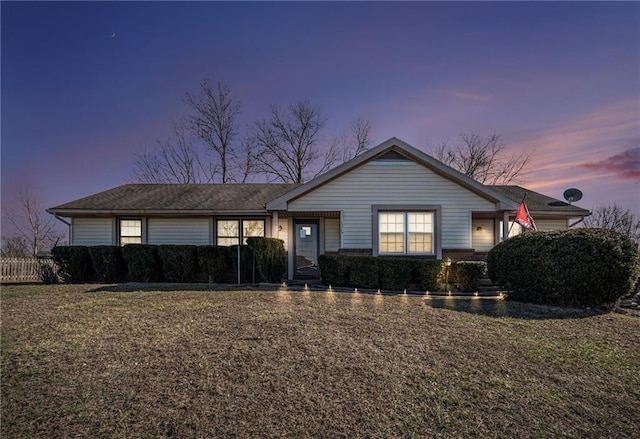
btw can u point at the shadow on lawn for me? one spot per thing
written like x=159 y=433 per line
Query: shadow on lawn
x=494 y=307
x=134 y=287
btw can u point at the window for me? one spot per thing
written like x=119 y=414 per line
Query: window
x=405 y=232
x=130 y=231
x=252 y=228
x=228 y=232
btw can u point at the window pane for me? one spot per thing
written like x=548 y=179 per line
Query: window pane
x=391 y=222
x=228 y=228
x=227 y=241
x=252 y=228
x=130 y=240
x=130 y=231
x=420 y=243
x=130 y=228
x=420 y=232
x=392 y=243
x=391 y=226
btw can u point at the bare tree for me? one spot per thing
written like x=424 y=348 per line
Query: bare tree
x=484 y=159
x=289 y=146
x=614 y=217
x=247 y=161
x=175 y=160
x=214 y=122
x=34 y=228
x=355 y=141
x=14 y=247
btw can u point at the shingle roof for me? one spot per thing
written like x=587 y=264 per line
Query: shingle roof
x=178 y=197
x=537 y=202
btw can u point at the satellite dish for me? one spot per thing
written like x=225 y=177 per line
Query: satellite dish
x=572 y=195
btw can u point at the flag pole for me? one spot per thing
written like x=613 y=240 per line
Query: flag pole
x=513 y=223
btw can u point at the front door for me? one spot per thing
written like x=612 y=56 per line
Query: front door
x=306 y=249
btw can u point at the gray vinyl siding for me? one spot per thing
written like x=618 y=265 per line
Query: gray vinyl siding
x=92 y=231
x=195 y=231
x=547 y=225
x=331 y=234
x=482 y=240
x=388 y=183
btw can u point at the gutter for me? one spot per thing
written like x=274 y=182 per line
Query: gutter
x=62 y=220
x=151 y=212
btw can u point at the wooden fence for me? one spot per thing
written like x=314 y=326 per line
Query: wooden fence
x=22 y=269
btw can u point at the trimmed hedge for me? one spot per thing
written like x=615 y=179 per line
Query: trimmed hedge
x=333 y=270
x=270 y=256
x=143 y=262
x=215 y=262
x=74 y=264
x=179 y=262
x=467 y=274
x=248 y=272
x=108 y=263
x=380 y=272
x=583 y=267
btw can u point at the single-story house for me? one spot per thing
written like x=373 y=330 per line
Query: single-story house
x=392 y=199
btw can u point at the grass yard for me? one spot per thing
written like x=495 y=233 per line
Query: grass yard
x=77 y=362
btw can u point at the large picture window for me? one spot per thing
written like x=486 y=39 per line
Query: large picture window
x=130 y=231
x=405 y=232
x=231 y=232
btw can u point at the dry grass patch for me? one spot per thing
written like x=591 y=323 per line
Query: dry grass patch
x=77 y=363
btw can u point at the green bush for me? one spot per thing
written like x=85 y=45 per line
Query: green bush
x=215 y=262
x=467 y=274
x=362 y=271
x=143 y=262
x=248 y=269
x=333 y=270
x=270 y=257
x=179 y=262
x=47 y=272
x=74 y=264
x=584 y=267
x=396 y=273
x=380 y=272
x=108 y=263
x=429 y=274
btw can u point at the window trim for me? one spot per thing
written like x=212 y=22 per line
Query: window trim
x=435 y=209
x=240 y=221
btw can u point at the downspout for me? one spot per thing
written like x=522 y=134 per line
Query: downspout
x=59 y=218
x=576 y=223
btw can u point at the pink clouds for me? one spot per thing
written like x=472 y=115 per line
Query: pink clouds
x=625 y=165
x=595 y=151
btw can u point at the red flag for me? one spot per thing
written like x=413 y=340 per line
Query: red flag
x=524 y=217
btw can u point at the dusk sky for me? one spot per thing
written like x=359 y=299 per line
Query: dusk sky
x=87 y=86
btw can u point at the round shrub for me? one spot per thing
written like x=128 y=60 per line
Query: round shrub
x=584 y=267
x=270 y=256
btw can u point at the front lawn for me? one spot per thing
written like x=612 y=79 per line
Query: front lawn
x=81 y=363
